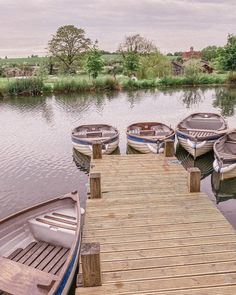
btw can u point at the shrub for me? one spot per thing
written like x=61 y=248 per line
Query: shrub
x=28 y=86
x=231 y=79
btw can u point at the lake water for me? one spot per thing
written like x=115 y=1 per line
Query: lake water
x=37 y=160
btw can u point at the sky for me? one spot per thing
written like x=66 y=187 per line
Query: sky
x=173 y=25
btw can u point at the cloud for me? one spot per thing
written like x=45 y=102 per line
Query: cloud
x=26 y=26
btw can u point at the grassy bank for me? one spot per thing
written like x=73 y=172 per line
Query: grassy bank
x=73 y=84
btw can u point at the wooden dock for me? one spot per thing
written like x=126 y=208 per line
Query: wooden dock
x=155 y=236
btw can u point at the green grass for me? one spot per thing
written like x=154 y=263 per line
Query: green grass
x=82 y=83
x=108 y=58
x=21 y=60
x=75 y=84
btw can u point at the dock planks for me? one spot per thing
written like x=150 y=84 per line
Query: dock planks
x=155 y=236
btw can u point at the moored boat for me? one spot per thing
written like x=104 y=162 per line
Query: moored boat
x=198 y=132
x=149 y=137
x=39 y=247
x=85 y=135
x=225 y=155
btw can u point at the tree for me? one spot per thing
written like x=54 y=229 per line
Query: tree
x=192 y=71
x=209 y=53
x=154 y=65
x=68 y=44
x=94 y=62
x=137 y=44
x=131 y=63
x=227 y=54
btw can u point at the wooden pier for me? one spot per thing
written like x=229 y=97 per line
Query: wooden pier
x=155 y=236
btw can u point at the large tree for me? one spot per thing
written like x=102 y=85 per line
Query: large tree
x=209 y=53
x=137 y=44
x=227 y=54
x=68 y=44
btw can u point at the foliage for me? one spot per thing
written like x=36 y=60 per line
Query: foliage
x=94 y=62
x=131 y=63
x=231 y=79
x=192 y=71
x=154 y=65
x=67 y=45
x=115 y=69
x=227 y=54
x=209 y=53
x=28 y=86
x=84 y=85
x=43 y=70
x=225 y=99
x=139 y=84
x=137 y=44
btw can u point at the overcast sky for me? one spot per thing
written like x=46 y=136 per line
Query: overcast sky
x=27 y=25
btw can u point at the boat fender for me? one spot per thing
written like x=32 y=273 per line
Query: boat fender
x=82 y=211
x=104 y=148
x=225 y=169
x=152 y=148
x=161 y=150
x=195 y=145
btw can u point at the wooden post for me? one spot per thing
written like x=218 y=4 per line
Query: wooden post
x=169 y=148
x=95 y=185
x=194 y=178
x=97 y=150
x=91 y=267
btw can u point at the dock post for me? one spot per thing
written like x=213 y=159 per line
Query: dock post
x=169 y=148
x=194 y=178
x=97 y=150
x=91 y=266
x=95 y=185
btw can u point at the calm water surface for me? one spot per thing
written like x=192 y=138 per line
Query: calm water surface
x=37 y=160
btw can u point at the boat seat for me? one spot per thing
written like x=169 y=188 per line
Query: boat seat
x=94 y=134
x=41 y=255
x=108 y=134
x=147 y=132
x=162 y=133
x=56 y=228
x=17 y=278
x=204 y=124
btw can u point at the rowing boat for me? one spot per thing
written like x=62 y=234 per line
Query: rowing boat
x=198 y=132
x=39 y=247
x=149 y=137
x=225 y=156
x=84 y=136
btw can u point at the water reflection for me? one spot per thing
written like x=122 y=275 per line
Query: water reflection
x=223 y=189
x=37 y=161
x=81 y=161
x=225 y=99
x=193 y=96
x=204 y=162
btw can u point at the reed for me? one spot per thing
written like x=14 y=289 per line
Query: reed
x=66 y=85
x=27 y=86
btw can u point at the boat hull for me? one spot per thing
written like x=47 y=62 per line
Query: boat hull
x=196 y=148
x=86 y=148
x=66 y=282
x=146 y=146
x=226 y=171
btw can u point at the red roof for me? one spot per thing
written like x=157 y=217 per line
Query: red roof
x=191 y=54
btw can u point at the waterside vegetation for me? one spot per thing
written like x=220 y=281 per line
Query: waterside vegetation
x=81 y=66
